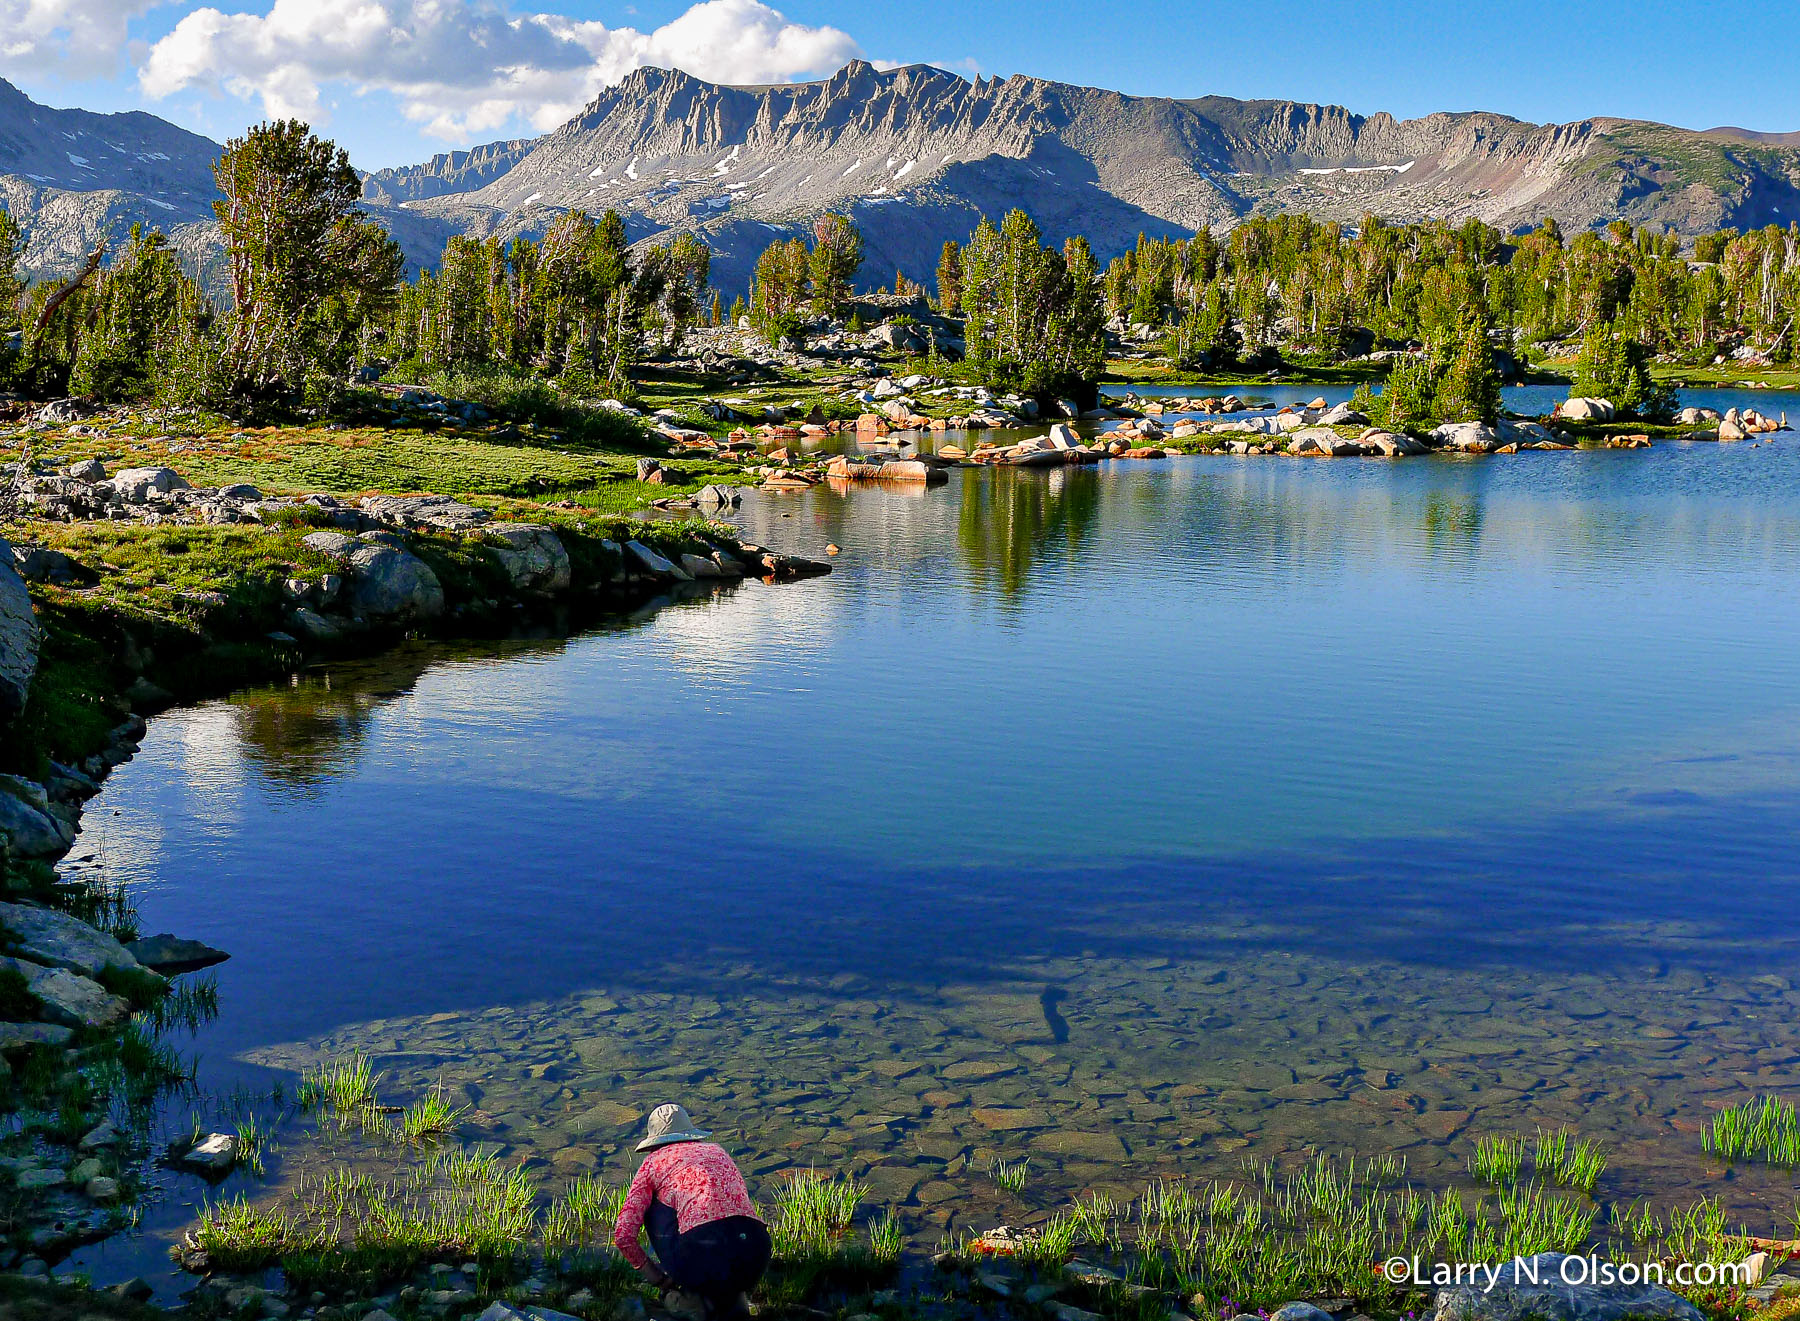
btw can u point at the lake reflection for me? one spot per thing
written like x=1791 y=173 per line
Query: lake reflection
x=1139 y=819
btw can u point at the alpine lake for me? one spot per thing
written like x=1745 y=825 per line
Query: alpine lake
x=1138 y=820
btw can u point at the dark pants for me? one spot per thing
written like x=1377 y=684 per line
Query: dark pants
x=718 y=1261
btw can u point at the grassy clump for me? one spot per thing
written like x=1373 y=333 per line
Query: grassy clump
x=348 y=1230
x=344 y=1092
x=431 y=1116
x=1498 y=1160
x=538 y=402
x=886 y=1239
x=252 y=1142
x=1563 y=1160
x=577 y=1239
x=342 y=1086
x=1320 y=1231
x=1557 y=1160
x=1766 y=1129
x=1010 y=1175
x=813 y=1213
x=225 y=579
x=812 y=1229
x=583 y=1216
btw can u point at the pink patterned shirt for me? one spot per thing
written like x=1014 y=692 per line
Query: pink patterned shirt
x=696 y=1180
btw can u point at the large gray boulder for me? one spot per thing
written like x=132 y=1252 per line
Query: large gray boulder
x=533 y=556
x=166 y=953
x=1469 y=437
x=1555 y=1287
x=648 y=561
x=1342 y=415
x=390 y=584
x=424 y=511
x=30 y=831
x=903 y=338
x=1323 y=440
x=1579 y=408
x=57 y=940
x=335 y=545
x=135 y=486
x=1524 y=433
x=1394 y=444
x=715 y=496
x=385 y=581
x=69 y=998
x=18 y=635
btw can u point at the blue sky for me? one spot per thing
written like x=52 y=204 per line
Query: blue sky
x=396 y=80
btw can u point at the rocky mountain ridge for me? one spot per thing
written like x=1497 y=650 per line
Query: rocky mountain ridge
x=918 y=155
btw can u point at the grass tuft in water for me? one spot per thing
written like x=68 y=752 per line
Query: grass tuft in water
x=251 y=1141
x=1010 y=1175
x=1558 y=1160
x=1584 y=1167
x=813 y=1214
x=431 y=1116
x=1498 y=1160
x=1318 y=1230
x=344 y=1086
x=886 y=1239
x=1766 y=1129
x=347 y=1230
x=583 y=1216
x=810 y=1227
x=1095 y=1220
x=189 y=1005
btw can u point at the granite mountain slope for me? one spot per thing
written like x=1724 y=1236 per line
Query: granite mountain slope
x=918 y=155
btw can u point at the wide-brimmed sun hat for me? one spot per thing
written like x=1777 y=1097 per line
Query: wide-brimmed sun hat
x=670 y=1124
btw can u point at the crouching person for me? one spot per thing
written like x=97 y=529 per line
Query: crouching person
x=690 y=1198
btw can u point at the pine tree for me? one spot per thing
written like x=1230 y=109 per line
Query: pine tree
x=1469 y=388
x=836 y=256
x=294 y=238
x=949 y=277
x=131 y=317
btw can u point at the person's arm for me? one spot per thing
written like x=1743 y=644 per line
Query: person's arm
x=631 y=1223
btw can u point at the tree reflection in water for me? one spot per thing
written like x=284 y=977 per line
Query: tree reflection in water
x=1007 y=519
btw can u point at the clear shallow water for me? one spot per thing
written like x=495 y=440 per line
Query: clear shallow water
x=1138 y=819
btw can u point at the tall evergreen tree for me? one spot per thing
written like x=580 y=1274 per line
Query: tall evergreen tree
x=295 y=241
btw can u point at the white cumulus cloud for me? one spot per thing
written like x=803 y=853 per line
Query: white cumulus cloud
x=77 y=38
x=460 y=68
